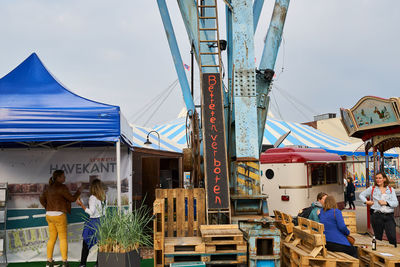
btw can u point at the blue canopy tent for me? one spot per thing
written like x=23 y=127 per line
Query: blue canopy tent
x=37 y=111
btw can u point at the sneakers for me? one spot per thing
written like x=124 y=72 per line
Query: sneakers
x=65 y=264
x=52 y=264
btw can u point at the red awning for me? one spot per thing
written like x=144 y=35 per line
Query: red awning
x=297 y=155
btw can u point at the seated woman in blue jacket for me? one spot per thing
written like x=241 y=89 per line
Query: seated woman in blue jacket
x=335 y=231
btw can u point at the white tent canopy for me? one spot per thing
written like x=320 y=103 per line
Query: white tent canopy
x=301 y=135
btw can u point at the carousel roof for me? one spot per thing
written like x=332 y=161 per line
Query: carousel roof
x=376 y=120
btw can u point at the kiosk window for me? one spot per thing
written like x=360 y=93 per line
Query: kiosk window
x=324 y=174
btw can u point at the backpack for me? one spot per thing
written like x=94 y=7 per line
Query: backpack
x=305 y=213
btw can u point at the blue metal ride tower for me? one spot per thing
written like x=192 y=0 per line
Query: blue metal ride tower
x=242 y=107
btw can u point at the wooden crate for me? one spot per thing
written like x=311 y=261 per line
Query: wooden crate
x=369 y=257
x=350 y=221
x=221 y=234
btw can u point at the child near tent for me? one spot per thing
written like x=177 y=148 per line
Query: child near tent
x=56 y=199
x=95 y=210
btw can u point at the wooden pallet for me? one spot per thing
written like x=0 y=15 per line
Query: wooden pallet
x=308 y=248
x=184 y=245
x=209 y=258
x=310 y=234
x=222 y=234
x=285 y=254
x=225 y=258
x=350 y=221
x=369 y=257
x=240 y=247
x=300 y=256
x=181 y=220
x=366 y=240
x=177 y=213
x=284 y=222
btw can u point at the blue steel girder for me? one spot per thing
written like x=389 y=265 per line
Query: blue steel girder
x=176 y=55
x=267 y=63
x=257 y=7
x=244 y=84
x=229 y=111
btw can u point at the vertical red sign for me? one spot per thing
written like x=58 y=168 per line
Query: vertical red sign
x=215 y=163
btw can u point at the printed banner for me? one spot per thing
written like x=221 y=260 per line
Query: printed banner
x=27 y=172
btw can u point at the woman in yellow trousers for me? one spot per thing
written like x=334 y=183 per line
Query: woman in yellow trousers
x=57 y=199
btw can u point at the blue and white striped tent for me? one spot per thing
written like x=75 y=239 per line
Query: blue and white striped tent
x=301 y=135
x=140 y=134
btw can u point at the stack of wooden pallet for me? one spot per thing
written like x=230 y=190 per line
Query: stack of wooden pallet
x=308 y=248
x=224 y=244
x=180 y=233
x=383 y=256
x=349 y=218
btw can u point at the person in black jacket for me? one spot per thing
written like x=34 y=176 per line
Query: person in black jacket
x=351 y=193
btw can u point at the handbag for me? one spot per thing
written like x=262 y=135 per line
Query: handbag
x=351 y=240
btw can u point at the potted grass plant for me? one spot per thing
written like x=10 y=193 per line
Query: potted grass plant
x=121 y=234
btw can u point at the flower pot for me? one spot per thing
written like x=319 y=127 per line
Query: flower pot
x=128 y=259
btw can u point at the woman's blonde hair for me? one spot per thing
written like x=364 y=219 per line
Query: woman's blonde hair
x=96 y=189
x=330 y=203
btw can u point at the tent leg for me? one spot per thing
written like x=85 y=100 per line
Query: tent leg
x=118 y=152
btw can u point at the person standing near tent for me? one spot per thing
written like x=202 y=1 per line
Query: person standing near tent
x=351 y=193
x=57 y=199
x=382 y=200
x=96 y=209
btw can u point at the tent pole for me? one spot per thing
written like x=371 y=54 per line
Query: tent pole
x=118 y=152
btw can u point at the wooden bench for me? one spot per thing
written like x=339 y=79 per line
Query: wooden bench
x=308 y=248
x=284 y=222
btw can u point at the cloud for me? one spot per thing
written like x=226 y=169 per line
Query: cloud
x=334 y=52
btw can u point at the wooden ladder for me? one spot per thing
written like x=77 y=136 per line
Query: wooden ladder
x=210 y=62
x=208 y=25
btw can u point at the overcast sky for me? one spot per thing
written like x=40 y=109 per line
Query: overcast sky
x=334 y=52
